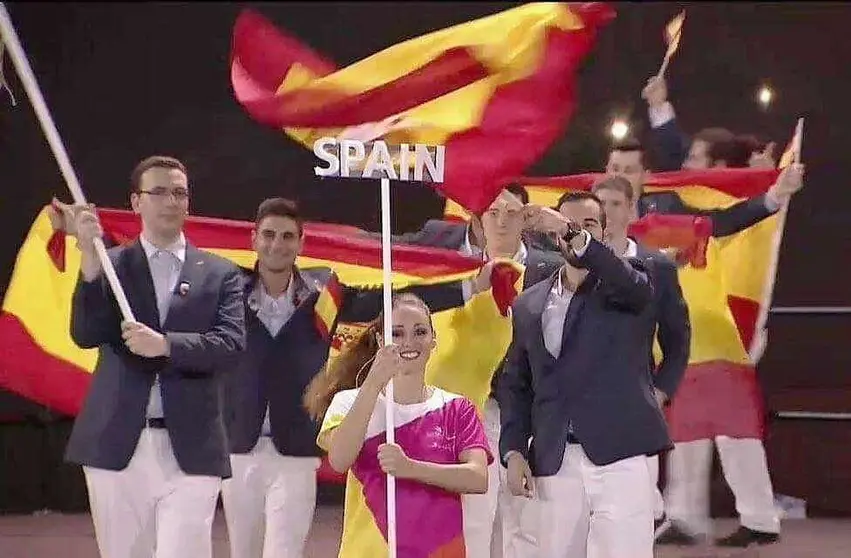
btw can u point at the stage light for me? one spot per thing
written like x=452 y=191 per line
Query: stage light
x=619 y=129
x=765 y=95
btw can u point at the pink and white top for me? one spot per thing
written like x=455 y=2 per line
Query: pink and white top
x=429 y=518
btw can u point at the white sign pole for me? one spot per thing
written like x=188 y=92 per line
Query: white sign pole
x=341 y=156
x=22 y=65
x=387 y=269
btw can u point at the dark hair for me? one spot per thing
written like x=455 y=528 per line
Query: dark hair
x=582 y=195
x=279 y=207
x=617 y=184
x=714 y=135
x=735 y=152
x=518 y=190
x=155 y=161
x=353 y=361
x=630 y=145
x=754 y=143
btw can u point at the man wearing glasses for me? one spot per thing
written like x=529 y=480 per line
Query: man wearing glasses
x=151 y=436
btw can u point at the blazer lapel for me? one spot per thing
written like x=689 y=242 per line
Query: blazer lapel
x=641 y=252
x=571 y=318
x=142 y=285
x=537 y=305
x=305 y=288
x=191 y=274
x=575 y=310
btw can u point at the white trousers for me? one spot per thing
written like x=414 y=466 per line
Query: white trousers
x=745 y=469
x=152 y=509
x=590 y=511
x=658 y=501
x=483 y=530
x=269 y=502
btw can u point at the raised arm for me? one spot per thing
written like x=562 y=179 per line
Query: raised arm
x=738 y=217
x=625 y=280
x=428 y=235
x=95 y=318
x=669 y=144
x=362 y=304
x=205 y=352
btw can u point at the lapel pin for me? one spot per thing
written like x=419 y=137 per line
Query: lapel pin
x=183 y=289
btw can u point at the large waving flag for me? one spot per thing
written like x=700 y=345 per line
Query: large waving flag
x=496 y=92
x=728 y=294
x=39 y=360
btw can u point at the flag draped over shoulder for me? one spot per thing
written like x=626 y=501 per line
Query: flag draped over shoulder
x=39 y=360
x=496 y=92
x=729 y=296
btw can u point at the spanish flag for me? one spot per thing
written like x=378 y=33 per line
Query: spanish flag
x=495 y=92
x=39 y=360
x=673 y=33
x=729 y=293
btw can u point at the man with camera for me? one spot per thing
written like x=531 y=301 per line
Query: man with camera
x=577 y=382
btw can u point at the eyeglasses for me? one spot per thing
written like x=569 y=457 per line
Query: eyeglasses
x=180 y=194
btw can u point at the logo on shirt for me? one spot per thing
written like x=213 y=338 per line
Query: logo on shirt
x=439 y=439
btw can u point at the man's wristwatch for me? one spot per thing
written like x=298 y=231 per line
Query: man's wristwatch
x=508 y=455
x=573 y=229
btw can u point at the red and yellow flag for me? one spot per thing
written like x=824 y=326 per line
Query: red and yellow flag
x=496 y=92
x=727 y=296
x=39 y=360
x=673 y=33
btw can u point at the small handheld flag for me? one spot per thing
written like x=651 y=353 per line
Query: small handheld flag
x=673 y=33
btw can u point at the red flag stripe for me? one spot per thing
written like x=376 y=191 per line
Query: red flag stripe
x=322 y=241
x=38 y=375
x=264 y=55
x=739 y=183
x=514 y=133
x=454 y=69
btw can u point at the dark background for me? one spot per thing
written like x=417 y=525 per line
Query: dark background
x=124 y=81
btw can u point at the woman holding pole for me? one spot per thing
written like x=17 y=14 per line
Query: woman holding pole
x=441 y=450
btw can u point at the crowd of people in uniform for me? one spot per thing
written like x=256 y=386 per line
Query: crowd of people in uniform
x=222 y=385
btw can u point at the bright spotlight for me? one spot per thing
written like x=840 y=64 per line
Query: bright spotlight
x=619 y=129
x=765 y=96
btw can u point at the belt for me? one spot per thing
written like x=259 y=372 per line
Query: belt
x=156 y=423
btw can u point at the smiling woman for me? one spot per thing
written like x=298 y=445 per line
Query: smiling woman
x=440 y=452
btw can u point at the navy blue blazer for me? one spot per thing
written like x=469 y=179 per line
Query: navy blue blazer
x=275 y=371
x=672 y=319
x=671 y=310
x=600 y=383
x=205 y=326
